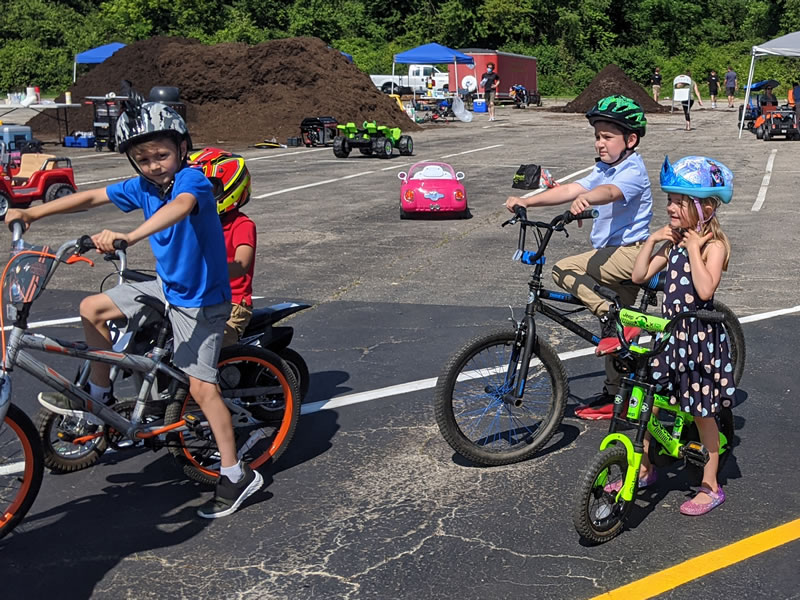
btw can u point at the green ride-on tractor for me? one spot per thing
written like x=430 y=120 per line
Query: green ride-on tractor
x=372 y=139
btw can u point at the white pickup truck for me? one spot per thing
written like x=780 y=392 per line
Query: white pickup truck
x=416 y=79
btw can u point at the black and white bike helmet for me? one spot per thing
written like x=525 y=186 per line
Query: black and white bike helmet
x=142 y=120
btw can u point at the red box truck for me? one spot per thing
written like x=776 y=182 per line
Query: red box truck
x=513 y=69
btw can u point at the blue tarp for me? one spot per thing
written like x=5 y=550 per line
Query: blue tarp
x=99 y=54
x=432 y=54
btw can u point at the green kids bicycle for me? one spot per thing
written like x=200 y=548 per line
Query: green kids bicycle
x=608 y=487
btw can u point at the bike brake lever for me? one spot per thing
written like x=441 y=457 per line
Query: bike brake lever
x=76 y=258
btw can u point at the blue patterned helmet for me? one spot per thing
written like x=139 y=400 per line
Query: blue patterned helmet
x=697 y=176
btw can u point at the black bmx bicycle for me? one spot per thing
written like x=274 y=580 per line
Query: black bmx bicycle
x=501 y=397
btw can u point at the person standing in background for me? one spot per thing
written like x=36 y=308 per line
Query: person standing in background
x=490 y=80
x=655 y=81
x=731 y=84
x=713 y=87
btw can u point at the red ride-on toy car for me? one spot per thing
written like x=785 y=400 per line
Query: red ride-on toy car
x=38 y=177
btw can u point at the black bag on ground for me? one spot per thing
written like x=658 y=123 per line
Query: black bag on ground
x=527 y=177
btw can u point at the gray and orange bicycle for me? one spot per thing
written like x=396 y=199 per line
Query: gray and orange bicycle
x=258 y=388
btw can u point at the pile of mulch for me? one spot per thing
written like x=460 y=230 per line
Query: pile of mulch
x=236 y=93
x=608 y=82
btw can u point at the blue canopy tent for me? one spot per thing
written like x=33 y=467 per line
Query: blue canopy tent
x=94 y=56
x=431 y=54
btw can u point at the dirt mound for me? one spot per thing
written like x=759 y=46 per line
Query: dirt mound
x=611 y=80
x=239 y=94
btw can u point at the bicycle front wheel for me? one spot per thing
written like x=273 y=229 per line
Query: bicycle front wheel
x=21 y=468
x=597 y=514
x=474 y=404
x=261 y=393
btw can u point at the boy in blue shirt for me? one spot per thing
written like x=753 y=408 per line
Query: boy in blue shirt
x=186 y=238
x=619 y=188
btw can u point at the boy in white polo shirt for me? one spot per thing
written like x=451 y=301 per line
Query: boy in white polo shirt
x=619 y=188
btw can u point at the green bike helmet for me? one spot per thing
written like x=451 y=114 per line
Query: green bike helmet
x=620 y=110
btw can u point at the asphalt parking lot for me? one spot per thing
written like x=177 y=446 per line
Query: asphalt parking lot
x=369 y=501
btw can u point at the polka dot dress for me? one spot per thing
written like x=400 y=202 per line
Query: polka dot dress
x=695 y=368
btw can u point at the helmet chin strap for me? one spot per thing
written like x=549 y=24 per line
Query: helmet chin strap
x=700 y=220
x=623 y=156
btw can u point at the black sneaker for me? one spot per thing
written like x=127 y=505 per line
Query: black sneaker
x=63 y=405
x=229 y=496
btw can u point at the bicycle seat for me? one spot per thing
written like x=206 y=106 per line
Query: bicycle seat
x=610 y=345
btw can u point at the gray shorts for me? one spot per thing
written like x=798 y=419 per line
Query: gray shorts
x=197 y=332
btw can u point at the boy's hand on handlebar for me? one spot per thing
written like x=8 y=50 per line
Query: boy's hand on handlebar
x=104 y=241
x=579 y=205
x=513 y=201
x=19 y=214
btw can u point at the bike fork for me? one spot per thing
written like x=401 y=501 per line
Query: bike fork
x=516 y=382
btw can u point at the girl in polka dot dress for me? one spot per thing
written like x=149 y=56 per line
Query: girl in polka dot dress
x=695 y=369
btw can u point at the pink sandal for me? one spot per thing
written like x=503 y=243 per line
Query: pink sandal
x=695 y=509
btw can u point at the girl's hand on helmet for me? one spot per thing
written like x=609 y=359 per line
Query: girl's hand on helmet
x=667 y=234
x=104 y=241
x=692 y=239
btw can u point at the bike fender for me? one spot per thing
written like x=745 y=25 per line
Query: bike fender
x=634 y=462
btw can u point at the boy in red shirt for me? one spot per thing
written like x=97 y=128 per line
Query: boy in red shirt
x=231 y=181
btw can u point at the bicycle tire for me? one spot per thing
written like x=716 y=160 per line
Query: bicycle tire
x=599 y=524
x=299 y=368
x=479 y=360
x=240 y=367
x=736 y=343
x=19 y=442
x=61 y=456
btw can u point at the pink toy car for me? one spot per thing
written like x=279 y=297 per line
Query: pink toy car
x=432 y=187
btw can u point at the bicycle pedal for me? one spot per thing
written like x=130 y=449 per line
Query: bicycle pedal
x=195 y=425
x=695 y=453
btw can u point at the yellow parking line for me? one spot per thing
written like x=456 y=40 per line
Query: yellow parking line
x=697 y=567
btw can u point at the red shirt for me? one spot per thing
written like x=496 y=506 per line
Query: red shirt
x=239 y=230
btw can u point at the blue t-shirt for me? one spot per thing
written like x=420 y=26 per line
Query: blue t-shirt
x=190 y=255
x=625 y=221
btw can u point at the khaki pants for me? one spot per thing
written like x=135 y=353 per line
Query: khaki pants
x=607 y=266
x=237 y=323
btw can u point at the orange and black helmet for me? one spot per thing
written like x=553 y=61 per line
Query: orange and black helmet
x=228 y=174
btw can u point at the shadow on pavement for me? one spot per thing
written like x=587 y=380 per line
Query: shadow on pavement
x=67 y=550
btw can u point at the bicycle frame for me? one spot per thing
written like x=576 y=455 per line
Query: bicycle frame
x=641 y=399
x=536 y=296
x=19 y=340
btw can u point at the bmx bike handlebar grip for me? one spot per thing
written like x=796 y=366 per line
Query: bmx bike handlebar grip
x=591 y=213
x=521 y=211
x=606 y=293
x=16 y=223
x=710 y=316
x=85 y=244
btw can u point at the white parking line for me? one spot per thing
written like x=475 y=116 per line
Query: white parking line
x=471 y=151
x=308 y=185
x=562 y=180
x=424 y=384
x=762 y=193
x=287 y=154
x=104 y=180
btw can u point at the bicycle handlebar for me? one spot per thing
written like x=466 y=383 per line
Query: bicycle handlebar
x=709 y=316
x=557 y=224
x=85 y=244
x=17 y=228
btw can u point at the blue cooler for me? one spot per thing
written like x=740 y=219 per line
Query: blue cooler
x=479 y=105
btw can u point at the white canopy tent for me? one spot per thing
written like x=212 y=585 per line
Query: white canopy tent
x=786 y=45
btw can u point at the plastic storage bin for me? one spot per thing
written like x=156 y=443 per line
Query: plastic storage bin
x=479 y=105
x=14 y=135
x=79 y=142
